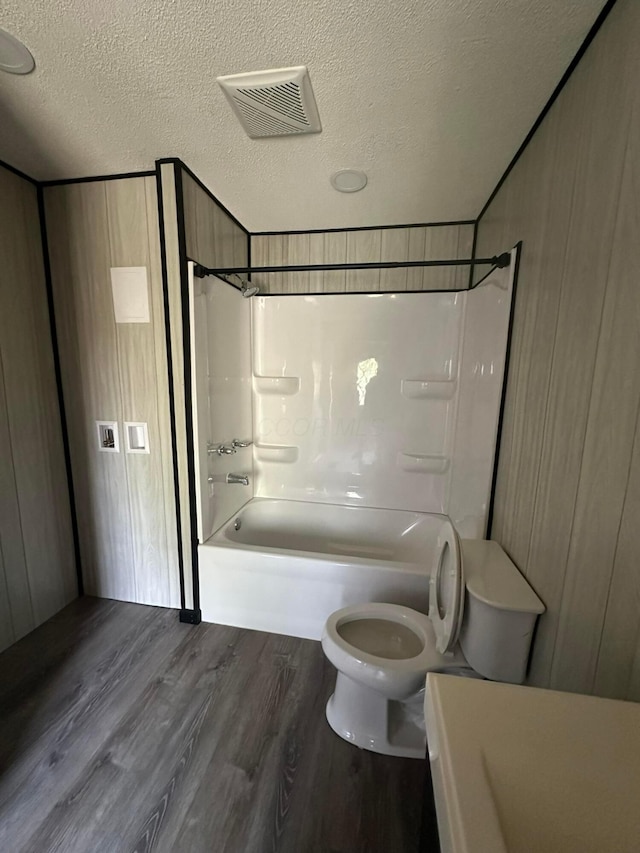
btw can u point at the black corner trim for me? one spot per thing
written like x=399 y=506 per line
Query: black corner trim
x=93 y=178
x=608 y=6
x=19 y=173
x=172 y=402
x=503 y=394
x=58 y=375
x=474 y=249
x=191 y=617
x=188 y=399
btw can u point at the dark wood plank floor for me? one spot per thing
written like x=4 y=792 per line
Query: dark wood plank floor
x=123 y=730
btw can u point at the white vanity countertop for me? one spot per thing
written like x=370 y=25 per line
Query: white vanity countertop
x=523 y=770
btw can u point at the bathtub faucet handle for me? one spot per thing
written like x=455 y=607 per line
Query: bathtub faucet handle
x=237 y=443
x=220 y=449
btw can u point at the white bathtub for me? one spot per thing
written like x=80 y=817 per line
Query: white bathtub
x=291 y=563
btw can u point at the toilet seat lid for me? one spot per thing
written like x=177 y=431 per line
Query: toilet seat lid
x=446 y=590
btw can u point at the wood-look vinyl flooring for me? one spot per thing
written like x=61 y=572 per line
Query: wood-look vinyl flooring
x=122 y=729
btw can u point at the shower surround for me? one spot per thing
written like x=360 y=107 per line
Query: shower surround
x=388 y=402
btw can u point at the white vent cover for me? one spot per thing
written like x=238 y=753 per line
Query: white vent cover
x=273 y=103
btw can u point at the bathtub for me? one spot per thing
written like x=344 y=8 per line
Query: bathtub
x=290 y=564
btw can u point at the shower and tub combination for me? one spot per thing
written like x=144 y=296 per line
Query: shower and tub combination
x=335 y=435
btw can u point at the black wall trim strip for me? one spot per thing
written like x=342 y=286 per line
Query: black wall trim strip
x=191 y=617
x=365 y=228
x=17 y=172
x=474 y=247
x=503 y=395
x=58 y=375
x=188 y=392
x=91 y=178
x=563 y=81
x=176 y=161
x=172 y=403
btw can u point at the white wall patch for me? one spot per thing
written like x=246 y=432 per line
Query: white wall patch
x=130 y=294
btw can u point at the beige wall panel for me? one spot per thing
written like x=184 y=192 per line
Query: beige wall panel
x=260 y=258
x=316 y=256
x=441 y=243
x=275 y=282
x=162 y=373
x=464 y=250
x=417 y=252
x=367 y=246
x=34 y=418
x=7 y=637
x=15 y=576
x=153 y=563
x=78 y=231
x=35 y=517
x=584 y=274
x=545 y=201
x=114 y=372
x=297 y=248
x=608 y=447
x=335 y=252
x=190 y=205
x=212 y=238
x=394 y=247
x=571 y=400
x=618 y=668
x=363 y=247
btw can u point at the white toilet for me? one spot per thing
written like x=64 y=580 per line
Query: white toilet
x=482 y=613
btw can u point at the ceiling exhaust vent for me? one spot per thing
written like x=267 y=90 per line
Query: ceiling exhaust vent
x=273 y=103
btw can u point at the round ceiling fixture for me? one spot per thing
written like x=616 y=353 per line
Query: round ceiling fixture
x=349 y=180
x=14 y=56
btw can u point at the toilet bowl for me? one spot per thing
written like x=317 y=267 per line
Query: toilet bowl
x=383 y=651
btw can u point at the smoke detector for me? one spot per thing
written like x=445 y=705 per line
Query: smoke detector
x=273 y=103
x=14 y=56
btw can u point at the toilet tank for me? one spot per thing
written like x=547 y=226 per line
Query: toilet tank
x=500 y=612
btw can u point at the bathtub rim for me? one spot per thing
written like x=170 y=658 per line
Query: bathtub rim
x=219 y=539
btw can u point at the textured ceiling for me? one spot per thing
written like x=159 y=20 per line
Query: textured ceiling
x=430 y=97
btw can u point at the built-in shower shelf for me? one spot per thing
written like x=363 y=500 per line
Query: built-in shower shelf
x=282 y=386
x=428 y=389
x=423 y=463
x=275 y=453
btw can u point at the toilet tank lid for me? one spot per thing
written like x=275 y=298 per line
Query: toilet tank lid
x=493 y=578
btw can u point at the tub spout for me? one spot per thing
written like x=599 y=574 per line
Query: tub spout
x=242 y=479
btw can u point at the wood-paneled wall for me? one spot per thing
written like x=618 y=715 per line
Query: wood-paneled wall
x=211 y=238
x=568 y=489
x=125 y=502
x=37 y=564
x=420 y=243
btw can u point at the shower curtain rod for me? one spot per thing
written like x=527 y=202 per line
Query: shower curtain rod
x=498 y=261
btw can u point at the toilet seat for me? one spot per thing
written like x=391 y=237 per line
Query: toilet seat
x=347 y=657
x=446 y=591
x=411 y=619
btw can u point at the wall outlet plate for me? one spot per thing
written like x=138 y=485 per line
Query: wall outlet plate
x=136 y=437
x=108 y=438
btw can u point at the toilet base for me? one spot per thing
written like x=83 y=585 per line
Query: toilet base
x=370 y=721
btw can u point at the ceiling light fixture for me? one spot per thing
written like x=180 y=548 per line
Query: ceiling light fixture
x=348 y=180
x=14 y=56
